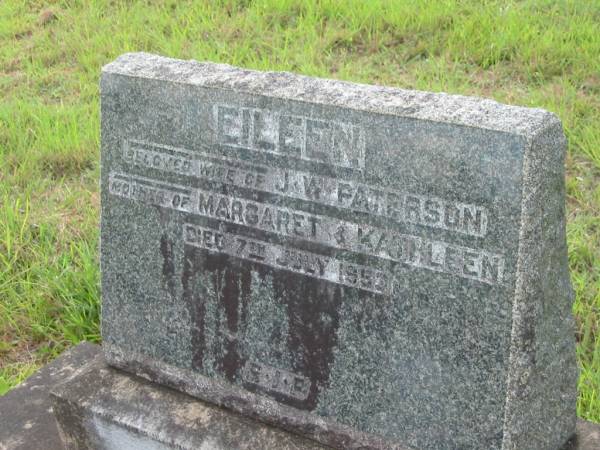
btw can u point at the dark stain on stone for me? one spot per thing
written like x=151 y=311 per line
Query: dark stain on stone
x=226 y=282
x=311 y=305
x=230 y=291
x=168 y=269
x=195 y=305
x=308 y=303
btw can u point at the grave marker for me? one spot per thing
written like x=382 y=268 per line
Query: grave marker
x=372 y=267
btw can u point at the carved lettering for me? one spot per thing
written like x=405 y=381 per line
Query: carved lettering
x=286 y=258
x=276 y=380
x=324 y=230
x=349 y=195
x=330 y=142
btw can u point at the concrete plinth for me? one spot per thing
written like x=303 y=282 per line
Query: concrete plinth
x=99 y=407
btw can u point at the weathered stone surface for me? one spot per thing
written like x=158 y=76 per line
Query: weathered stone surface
x=375 y=268
x=586 y=437
x=104 y=408
x=26 y=418
x=99 y=407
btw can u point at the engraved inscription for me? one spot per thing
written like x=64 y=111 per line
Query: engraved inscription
x=262 y=216
x=150 y=191
x=331 y=142
x=400 y=207
x=411 y=250
x=276 y=380
x=157 y=157
x=286 y=258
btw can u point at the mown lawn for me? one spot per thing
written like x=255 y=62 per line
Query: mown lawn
x=533 y=53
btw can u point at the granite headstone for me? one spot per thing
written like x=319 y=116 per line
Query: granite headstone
x=368 y=266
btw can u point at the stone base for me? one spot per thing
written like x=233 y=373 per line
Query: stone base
x=99 y=407
x=103 y=408
x=26 y=418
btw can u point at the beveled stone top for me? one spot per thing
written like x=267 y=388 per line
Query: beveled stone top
x=438 y=107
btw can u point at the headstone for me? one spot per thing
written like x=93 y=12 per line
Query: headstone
x=371 y=267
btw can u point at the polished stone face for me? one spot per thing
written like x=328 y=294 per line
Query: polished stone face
x=364 y=265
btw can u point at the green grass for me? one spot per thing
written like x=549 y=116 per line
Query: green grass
x=533 y=53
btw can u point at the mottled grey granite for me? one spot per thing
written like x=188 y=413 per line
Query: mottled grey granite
x=371 y=267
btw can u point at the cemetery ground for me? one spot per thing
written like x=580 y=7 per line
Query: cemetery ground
x=532 y=53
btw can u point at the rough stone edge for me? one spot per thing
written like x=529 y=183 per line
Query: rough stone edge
x=26 y=418
x=65 y=411
x=75 y=435
x=435 y=107
x=80 y=410
x=586 y=438
x=104 y=394
x=74 y=419
x=528 y=289
x=251 y=405
x=74 y=415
